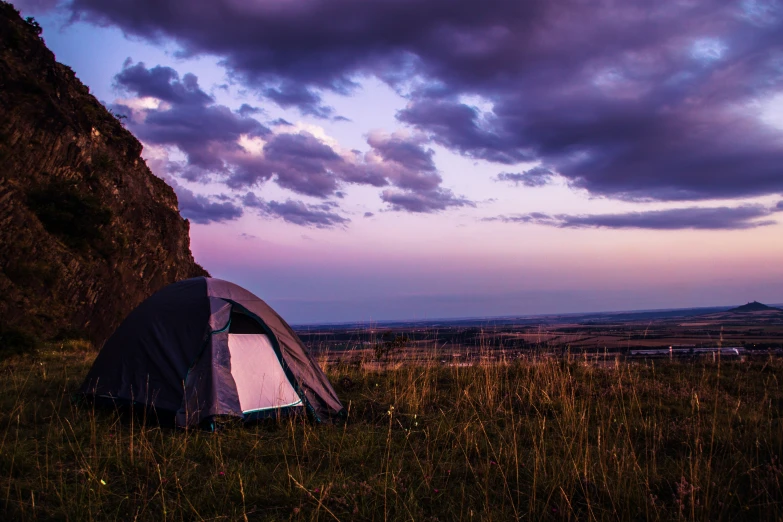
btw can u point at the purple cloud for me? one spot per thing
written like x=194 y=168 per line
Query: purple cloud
x=463 y=129
x=206 y=132
x=200 y=209
x=162 y=83
x=403 y=161
x=407 y=165
x=302 y=163
x=209 y=134
x=248 y=110
x=715 y=218
x=306 y=165
x=292 y=94
x=402 y=150
x=535 y=177
x=281 y=122
x=35 y=6
x=423 y=201
x=297 y=212
x=634 y=100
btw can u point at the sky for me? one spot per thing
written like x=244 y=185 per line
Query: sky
x=355 y=160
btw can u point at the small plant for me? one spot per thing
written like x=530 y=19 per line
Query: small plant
x=122 y=118
x=33 y=24
x=102 y=162
x=389 y=343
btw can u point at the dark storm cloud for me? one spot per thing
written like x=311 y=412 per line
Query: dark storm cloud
x=717 y=218
x=635 y=100
x=535 y=177
x=200 y=209
x=297 y=212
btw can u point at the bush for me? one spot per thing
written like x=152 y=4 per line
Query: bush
x=34 y=26
x=390 y=343
x=14 y=341
x=74 y=217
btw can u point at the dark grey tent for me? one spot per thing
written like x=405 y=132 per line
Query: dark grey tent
x=204 y=347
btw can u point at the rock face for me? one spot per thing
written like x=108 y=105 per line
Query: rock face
x=86 y=230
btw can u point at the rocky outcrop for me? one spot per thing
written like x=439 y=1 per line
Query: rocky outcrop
x=86 y=230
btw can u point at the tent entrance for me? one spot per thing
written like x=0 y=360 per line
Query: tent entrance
x=260 y=380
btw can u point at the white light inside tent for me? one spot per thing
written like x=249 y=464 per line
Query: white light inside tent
x=260 y=380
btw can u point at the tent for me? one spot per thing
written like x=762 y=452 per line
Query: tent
x=203 y=348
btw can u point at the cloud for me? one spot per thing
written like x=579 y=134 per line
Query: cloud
x=423 y=201
x=180 y=113
x=403 y=161
x=200 y=209
x=248 y=110
x=408 y=165
x=300 y=162
x=779 y=206
x=221 y=145
x=715 y=218
x=535 y=177
x=35 y=6
x=465 y=130
x=631 y=100
x=281 y=122
x=297 y=212
x=162 y=83
x=368 y=214
x=291 y=94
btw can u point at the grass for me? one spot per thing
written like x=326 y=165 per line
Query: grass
x=538 y=440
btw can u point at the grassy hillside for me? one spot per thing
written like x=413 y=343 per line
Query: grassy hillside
x=548 y=440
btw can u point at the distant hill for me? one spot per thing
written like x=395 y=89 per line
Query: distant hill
x=87 y=231
x=751 y=313
x=755 y=306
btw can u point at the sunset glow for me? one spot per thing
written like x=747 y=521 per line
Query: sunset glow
x=424 y=160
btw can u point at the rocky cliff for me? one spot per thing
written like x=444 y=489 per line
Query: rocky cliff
x=86 y=230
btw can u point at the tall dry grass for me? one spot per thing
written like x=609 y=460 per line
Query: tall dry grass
x=540 y=439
